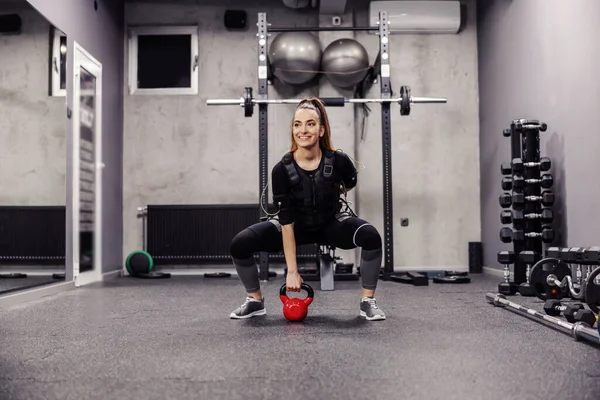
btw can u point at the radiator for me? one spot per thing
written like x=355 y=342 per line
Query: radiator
x=32 y=235
x=202 y=234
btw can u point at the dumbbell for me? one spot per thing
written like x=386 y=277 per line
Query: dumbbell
x=519 y=199
x=518 y=166
x=505 y=169
x=508 y=216
x=507 y=257
x=518 y=181
x=507 y=183
x=529 y=257
x=586 y=316
x=507 y=235
x=555 y=308
x=505 y=200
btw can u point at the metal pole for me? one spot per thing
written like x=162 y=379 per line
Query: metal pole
x=263 y=125
x=518 y=246
x=579 y=330
x=324 y=29
x=386 y=144
x=329 y=101
x=530 y=147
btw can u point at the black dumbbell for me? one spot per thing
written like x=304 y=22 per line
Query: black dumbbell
x=585 y=316
x=518 y=166
x=546 y=181
x=507 y=257
x=547 y=235
x=547 y=198
x=505 y=169
x=555 y=308
x=592 y=255
x=506 y=133
x=529 y=257
x=507 y=183
x=505 y=200
x=507 y=235
x=508 y=216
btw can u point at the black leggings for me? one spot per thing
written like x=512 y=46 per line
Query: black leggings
x=345 y=234
x=266 y=237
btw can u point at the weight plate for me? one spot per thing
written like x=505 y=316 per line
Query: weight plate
x=452 y=279
x=14 y=275
x=248 y=102
x=405 y=100
x=592 y=291
x=217 y=275
x=456 y=273
x=538 y=278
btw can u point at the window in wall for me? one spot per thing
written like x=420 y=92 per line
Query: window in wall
x=163 y=60
x=58 y=64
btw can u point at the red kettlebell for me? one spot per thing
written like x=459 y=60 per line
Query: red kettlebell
x=296 y=309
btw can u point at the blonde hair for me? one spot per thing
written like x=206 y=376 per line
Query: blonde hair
x=313 y=103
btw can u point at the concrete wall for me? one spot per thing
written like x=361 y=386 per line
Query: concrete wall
x=538 y=60
x=100 y=32
x=32 y=123
x=435 y=155
x=181 y=151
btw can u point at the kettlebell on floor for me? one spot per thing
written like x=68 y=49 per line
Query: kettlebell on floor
x=296 y=309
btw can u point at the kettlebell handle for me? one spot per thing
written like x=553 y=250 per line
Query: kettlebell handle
x=309 y=290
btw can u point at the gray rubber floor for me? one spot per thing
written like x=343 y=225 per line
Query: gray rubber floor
x=172 y=339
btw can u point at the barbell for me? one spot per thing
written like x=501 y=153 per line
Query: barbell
x=247 y=101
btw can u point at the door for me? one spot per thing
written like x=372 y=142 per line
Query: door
x=87 y=168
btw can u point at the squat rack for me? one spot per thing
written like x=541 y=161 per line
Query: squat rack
x=383 y=70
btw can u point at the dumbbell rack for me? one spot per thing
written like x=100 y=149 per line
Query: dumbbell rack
x=522 y=203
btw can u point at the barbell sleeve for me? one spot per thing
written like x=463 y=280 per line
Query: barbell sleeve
x=225 y=102
x=578 y=330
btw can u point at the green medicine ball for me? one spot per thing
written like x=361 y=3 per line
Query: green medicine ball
x=139 y=262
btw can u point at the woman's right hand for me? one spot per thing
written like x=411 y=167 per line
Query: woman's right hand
x=293 y=282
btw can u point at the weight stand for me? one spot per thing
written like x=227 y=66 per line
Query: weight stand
x=263 y=35
x=382 y=68
x=531 y=153
x=579 y=330
x=263 y=126
x=525 y=146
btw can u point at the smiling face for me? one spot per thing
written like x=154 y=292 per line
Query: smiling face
x=307 y=131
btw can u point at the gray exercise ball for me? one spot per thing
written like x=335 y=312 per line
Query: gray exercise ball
x=345 y=62
x=295 y=57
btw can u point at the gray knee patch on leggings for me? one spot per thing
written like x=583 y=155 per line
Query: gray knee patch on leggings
x=370 y=264
x=247 y=270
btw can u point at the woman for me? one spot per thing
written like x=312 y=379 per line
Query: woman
x=307 y=184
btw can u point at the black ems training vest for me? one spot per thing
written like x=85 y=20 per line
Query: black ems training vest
x=315 y=198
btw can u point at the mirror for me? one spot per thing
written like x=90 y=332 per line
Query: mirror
x=33 y=126
x=87 y=142
x=87 y=162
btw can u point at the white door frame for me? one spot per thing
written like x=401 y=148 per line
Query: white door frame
x=83 y=59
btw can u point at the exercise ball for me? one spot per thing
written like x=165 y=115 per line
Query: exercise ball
x=345 y=63
x=295 y=57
